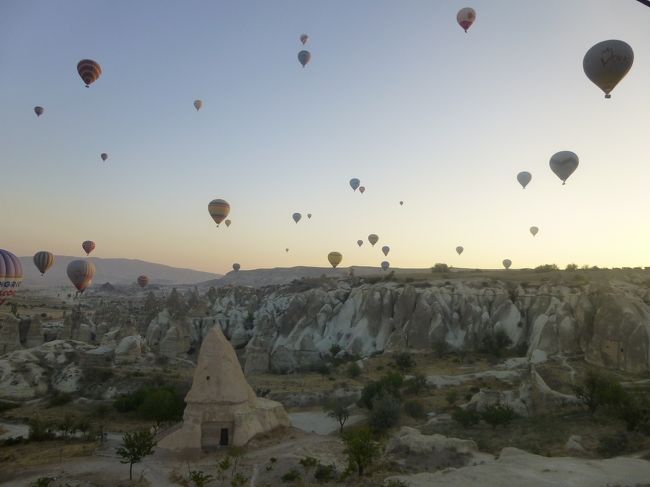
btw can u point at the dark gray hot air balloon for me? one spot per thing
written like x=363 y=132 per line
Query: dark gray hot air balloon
x=296 y=217
x=459 y=250
x=385 y=265
x=507 y=263
x=236 y=267
x=524 y=177
x=534 y=230
x=607 y=63
x=38 y=111
x=563 y=164
x=304 y=57
x=385 y=249
x=373 y=239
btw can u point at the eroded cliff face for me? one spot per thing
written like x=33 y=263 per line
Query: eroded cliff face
x=286 y=328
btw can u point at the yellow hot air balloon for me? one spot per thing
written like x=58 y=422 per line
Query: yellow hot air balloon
x=335 y=258
x=219 y=210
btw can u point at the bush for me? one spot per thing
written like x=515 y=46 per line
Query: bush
x=335 y=349
x=324 y=473
x=155 y=404
x=200 y=479
x=452 y=396
x=308 y=463
x=440 y=348
x=416 y=384
x=572 y=267
x=439 y=267
x=40 y=430
x=466 y=417
x=338 y=410
x=353 y=371
x=546 y=268
x=634 y=410
x=321 y=368
x=291 y=476
x=360 y=449
x=404 y=361
x=611 y=446
x=497 y=414
x=385 y=413
x=599 y=389
x=414 y=409
x=59 y=399
x=496 y=343
x=390 y=383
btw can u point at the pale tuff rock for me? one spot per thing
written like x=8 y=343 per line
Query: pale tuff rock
x=516 y=467
x=129 y=350
x=574 y=443
x=222 y=409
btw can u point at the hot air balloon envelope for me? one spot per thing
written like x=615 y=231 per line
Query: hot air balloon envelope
x=304 y=57
x=219 y=210
x=104 y=156
x=89 y=70
x=354 y=183
x=607 y=63
x=143 y=281
x=385 y=265
x=81 y=273
x=88 y=246
x=304 y=38
x=534 y=230
x=198 y=104
x=228 y=222
x=385 y=249
x=43 y=260
x=296 y=217
x=466 y=17
x=39 y=111
x=563 y=164
x=334 y=258
x=524 y=177
x=359 y=243
x=362 y=189
x=507 y=263
x=11 y=275
x=373 y=239
x=459 y=249
x=236 y=267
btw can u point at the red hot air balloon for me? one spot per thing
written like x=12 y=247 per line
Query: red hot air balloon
x=466 y=17
x=143 y=281
x=11 y=275
x=88 y=246
x=81 y=273
x=89 y=70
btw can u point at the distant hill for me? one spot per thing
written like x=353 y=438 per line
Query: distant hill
x=284 y=275
x=115 y=271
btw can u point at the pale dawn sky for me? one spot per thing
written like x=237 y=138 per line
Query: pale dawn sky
x=396 y=94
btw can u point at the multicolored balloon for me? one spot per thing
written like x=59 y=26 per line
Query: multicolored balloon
x=43 y=260
x=354 y=183
x=198 y=104
x=143 y=281
x=334 y=258
x=81 y=273
x=304 y=38
x=89 y=70
x=524 y=177
x=607 y=63
x=296 y=217
x=88 y=246
x=534 y=230
x=236 y=267
x=563 y=164
x=459 y=249
x=11 y=275
x=219 y=210
x=304 y=57
x=373 y=239
x=466 y=17
x=385 y=249
x=385 y=265
x=38 y=111
x=507 y=263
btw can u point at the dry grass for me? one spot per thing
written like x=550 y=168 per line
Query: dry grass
x=15 y=458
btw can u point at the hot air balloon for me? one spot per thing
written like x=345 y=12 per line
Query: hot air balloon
x=507 y=263
x=143 y=281
x=104 y=156
x=524 y=177
x=88 y=246
x=89 y=71
x=563 y=164
x=335 y=258
x=296 y=217
x=38 y=111
x=43 y=260
x=81 y=273
x=354 y=183
x=219 y=210
x=236 y=267
x=11 y=275
x=359 y=243
x=459 y=250
x=373 y=239
x=466 y=17
x=385 y=249
x=401 y=203
x=286 y=250
x=304 y=38
x=304 y=57
x=198 y=104
x=607 y=63
x=534 y=230
x=362 y=189
x=385 y=265
x=309 y=215
x=228 y=222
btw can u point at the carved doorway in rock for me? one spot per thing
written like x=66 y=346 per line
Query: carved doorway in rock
x=216 y=435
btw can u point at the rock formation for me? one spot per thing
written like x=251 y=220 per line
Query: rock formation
x=222 y=409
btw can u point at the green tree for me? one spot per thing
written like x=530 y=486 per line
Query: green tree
x=353 y=371
x=338 y=410
x=161 y=405
x=135 y=446
x=404 y=361
x=390 y=383
x=361 y=449
x=466 y=417
x=599 y=389
x=385 y=413
x=308 y=463
x=439 y=267
x=497 y=414
x=68 y=426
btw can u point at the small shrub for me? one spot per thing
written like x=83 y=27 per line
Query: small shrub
x=414 y=409
x=308 y=463
x=572 y=267
x=404 y=361
x=324 y=473
x=546 y=268
x=353 y=371
x=42 y=482
x=39 y=430
x=5 y=406
x=634 y=410
x=416 y=384
x=361 y=449
x=390 y=383
x=466 y=417
x=451 y=396
x=385 y=413
x=291 y=476
x=495 y=343
x=321 y=368
x=200 y=479
x=497 y=414
x=335 y=349
x=262 y=391
x=59 y=399
x=599 y=389
x=440 y=348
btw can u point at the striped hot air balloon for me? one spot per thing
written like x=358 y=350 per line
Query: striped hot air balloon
x=88 y=246
x=11 y=275
x=219 y=210
x=143 y=281
x=89 y=70
x=43 y=260
x=335 y=258
x=81 y=273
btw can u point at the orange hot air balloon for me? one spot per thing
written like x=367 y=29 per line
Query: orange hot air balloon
x=335 y=258
x=219 y=210
x=81 y=273
x=143 y=281
x=88 y=246
x=43 y=260
x=89 y=70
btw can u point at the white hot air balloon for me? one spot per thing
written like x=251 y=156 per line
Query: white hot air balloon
x=534 y=230
x=607 y=63
x=524 y=177
x=563 y=164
